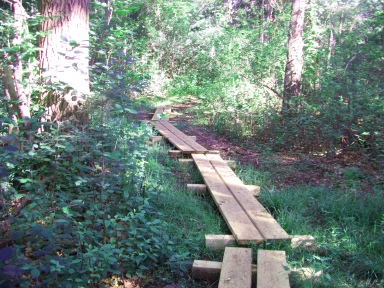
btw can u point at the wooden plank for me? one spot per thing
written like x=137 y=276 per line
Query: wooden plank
x=202 y=188
x=219 y=242
x=264 y=222
x=179 y=143
x=197 y=188
x=254 y=189
x=236 y=271
x=174 y=153
x=210 y=270
x=167 y=110
x=188 y=140
x=155 y=139
x=160 y=110
x=303 y=241
x=238 y=222
x=272 y=269
x=206 y=270
x=185 y=161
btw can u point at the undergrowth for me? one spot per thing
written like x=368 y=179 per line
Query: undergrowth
x=79 y=206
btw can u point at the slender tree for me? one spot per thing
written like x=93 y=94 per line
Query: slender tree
x=13 y=72
x=295 y=56
x=64 y=57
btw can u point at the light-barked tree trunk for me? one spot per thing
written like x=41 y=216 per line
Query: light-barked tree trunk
x=12 y=74
x=64 y=58
x=295 y=56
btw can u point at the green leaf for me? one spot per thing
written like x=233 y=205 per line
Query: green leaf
x=132 y=111
x=73 y=43
x=62 y=37
x=35 y=273
x=46 y=233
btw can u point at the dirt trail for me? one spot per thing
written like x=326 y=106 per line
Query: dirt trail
x=287 y=168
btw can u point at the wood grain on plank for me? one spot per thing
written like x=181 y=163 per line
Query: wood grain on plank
x=272 y=269
x=187 y=139
x=179 y=143
x=264 y=222
x=238 y=222
x=236 y=271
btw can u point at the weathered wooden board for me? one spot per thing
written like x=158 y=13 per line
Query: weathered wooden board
x=264 y=222
x=206 y=270
x=210 y=270
x=160 y=110
x=197 y=188
x=236 y=271
x=238 y=222
x=219 y=242
x=179 y=143
x=272 y=269
x=187 y=139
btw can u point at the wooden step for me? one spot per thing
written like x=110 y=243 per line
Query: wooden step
x=236 y=271
x=219 y=242
x=162 y=110
x=238 y=222
x=272 y=269
x=210 y=270
x=181 y=141
x=268 y=227
x=187 y=139
x=202 y=188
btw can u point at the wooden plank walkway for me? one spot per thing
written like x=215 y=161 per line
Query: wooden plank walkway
x=237 y=220
x=272 y=269
x=181 y=141
x=236 y=203
x=160 y=112
x=247 y=219
x=260 y=217
x=236 y=271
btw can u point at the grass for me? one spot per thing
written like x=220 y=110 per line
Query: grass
x=348 y=225
x=348 y=228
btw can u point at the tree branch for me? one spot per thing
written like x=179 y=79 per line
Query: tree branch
x=353 y=58
x=274 y=91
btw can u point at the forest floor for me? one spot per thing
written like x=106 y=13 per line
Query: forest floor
x=290 y=168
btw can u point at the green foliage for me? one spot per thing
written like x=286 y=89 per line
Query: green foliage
x=90 y=214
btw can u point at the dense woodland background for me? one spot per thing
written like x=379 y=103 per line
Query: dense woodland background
x=86 y=202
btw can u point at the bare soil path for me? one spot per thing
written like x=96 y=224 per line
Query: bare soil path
x=289 y=168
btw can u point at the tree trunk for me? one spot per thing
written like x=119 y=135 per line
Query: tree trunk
x=64 y=57
x=295 y=56
x=13 y=74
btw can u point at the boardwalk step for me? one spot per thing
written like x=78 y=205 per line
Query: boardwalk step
x=210 y=270
x=219 y=242
x=162 y=112
x=237 y=220
x=202 y=188
x=236 y=271
x=184 y=143
x=260 y=217
x=272 y=269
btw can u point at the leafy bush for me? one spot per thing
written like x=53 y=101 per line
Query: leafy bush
x=88 y=214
